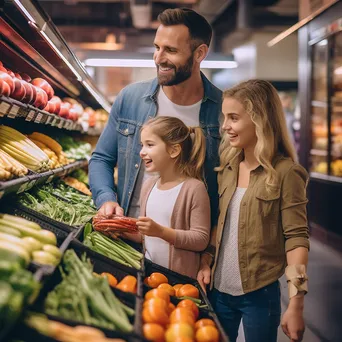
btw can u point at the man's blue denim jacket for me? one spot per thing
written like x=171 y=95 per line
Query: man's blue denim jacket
x=119 y=143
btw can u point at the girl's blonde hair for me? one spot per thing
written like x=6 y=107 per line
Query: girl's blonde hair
x=191 y=140
x=261 y=101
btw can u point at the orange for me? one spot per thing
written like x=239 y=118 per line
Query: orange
x=154 y=332
x=177 y=287
x=180 y=330
x=207 y=334
x=111 y=279
x=153 y=314
x=171 y=308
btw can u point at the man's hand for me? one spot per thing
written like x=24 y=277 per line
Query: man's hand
x=148 y=227
x=203 y=275
x=293 y=322
x=110 y=208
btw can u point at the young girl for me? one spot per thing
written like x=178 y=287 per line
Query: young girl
x=174 y=206
x=262 y=225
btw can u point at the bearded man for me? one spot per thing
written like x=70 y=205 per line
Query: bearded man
x=181 y=90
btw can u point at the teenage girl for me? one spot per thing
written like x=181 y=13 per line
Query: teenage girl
x=174 y=217
x=262 y=228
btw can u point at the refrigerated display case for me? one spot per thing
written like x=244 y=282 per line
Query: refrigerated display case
x=320 y=89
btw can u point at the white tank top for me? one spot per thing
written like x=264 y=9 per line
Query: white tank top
x=157 y=250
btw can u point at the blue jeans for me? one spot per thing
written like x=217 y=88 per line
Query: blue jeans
x=260 y=312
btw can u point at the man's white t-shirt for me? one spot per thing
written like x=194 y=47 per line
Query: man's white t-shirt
x=188 y=114
x=157 y=250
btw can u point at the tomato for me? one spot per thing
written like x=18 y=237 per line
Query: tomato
x=189 y=291
x=155 y=279
x=154 y=332
x=207 y=334
x=146 y=281
x=188 y=303
x=111 y=279
x=161 y=293
x=168 y=288
x=154 y=314
x=177 y=287
x=157 y=301
x=179 y=330
x=204 y=322
x=128 y=284
x=183 y=339
x=182 y=315
x=171 y=308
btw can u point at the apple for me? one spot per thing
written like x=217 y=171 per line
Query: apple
x=50 y=107
x=1 y=64
x=25 y=77
x=42 y=98
x=8 y=79
x=65 y=108
x=73 y=114
x=58 y=102
x=2 y=68
x=18 y=76
x=11 y=73
x=29 y=93
x=41 y=83
x=19 y=92
x=34 y=93
x=4 y=88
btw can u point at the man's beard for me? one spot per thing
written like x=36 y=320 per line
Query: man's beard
x=181 y=74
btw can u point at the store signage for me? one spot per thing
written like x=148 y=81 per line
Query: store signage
x=4 y=107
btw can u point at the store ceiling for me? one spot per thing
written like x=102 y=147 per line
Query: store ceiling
x=110 y=25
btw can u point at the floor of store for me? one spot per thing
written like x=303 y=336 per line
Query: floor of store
x=323 y=304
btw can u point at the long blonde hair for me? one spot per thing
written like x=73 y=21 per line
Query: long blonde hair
x=261 y=101
x=191 y=140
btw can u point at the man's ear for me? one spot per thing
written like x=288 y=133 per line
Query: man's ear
x=201 y=53
x=174 y=150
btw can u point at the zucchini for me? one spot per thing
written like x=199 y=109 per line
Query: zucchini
x=34 y=244
x=53 y=250
x=44 y=258
x=10 y=230
x=11 y=252
x=20 y=221
x=17 y=241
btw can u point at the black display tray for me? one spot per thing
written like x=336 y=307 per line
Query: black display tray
x=49 y=282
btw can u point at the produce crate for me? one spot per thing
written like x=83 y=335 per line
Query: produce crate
x=63 y=238
x=131 y=300
x=103 y=264
x=175 y=278
x=134 y=245
x=60 y=225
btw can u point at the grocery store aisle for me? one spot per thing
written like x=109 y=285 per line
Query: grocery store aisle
x=323 y=304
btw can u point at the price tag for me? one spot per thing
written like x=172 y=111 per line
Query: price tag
x=48 y=120
x=22 y=188
x=2 y=193
x=50 y=178
x=61 y=123
x=31 y=184
x=38 y=118
x=30 y=115
x=4 y=107
x=54 y=121
x=13 y=111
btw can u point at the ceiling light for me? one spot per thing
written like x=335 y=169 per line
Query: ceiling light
x=149 y=63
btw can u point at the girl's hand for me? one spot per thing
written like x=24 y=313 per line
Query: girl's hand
x=293 y=324
x=204 y=273
x=148 y=227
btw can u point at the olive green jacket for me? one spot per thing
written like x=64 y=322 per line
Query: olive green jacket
x=270 y=223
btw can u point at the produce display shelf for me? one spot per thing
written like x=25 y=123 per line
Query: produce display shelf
x=25 y=183
x=14 y=109
x=30 y=38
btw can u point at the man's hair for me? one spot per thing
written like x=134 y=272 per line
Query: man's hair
x=200 y=30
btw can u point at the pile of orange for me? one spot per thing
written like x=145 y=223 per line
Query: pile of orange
x=164 y=322
x=127 y=284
